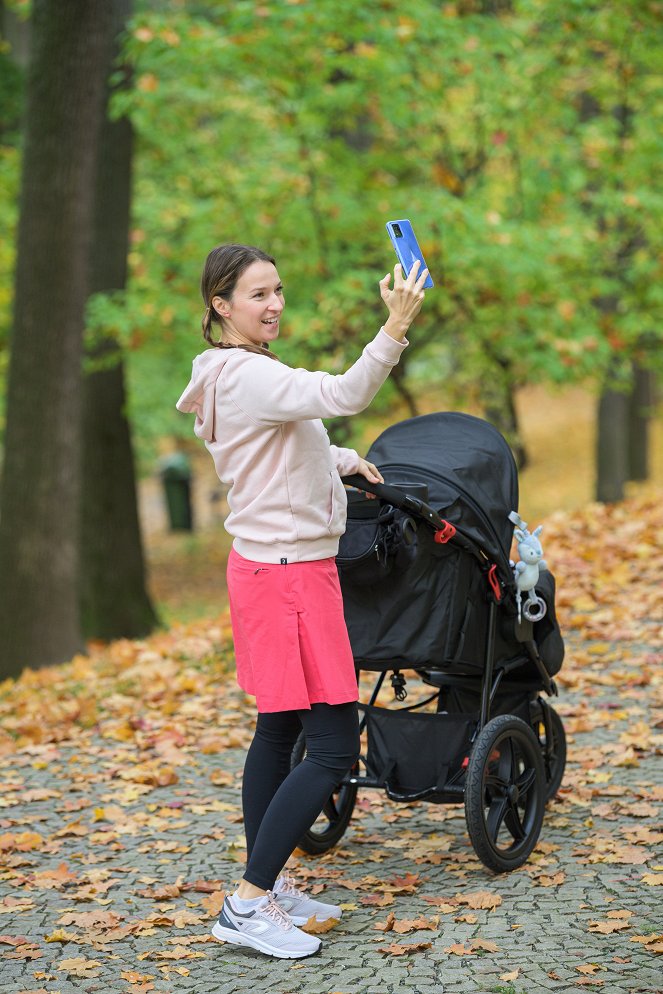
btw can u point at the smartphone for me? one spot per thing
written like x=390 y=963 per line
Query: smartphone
x=407 y=247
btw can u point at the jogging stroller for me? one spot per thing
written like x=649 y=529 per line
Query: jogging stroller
x=428 y=586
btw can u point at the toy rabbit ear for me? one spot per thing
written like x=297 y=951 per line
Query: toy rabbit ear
x=537 y=531
x=519 y=534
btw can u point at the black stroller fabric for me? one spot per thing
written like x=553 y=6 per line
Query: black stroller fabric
x=380 y=538
x=416 y=751
x=412 y=603
x=469 y=470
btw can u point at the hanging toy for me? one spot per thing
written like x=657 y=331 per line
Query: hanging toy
x=526 y=572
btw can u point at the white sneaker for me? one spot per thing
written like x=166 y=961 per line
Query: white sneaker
x=299 y=906
x=267 y=928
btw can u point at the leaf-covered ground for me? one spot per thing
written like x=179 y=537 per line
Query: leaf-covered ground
x=120 y=817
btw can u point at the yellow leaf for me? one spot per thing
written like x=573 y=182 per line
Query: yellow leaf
x=510 y=976
x=60 y=935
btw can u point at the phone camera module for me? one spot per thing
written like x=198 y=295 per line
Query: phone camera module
x=397 y=231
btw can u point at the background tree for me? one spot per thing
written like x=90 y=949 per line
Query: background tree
x=114 y=599
x=39 y=505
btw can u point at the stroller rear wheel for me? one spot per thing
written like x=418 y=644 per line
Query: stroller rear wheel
x=505 y=793
x=336 y=813
x=555 y=762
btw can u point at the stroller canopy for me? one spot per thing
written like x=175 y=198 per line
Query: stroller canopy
x=469 y=470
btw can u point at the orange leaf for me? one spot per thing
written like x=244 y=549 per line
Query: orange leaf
x=395 y=949
x=314 y=927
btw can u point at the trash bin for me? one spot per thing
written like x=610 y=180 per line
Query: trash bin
x=175 y=474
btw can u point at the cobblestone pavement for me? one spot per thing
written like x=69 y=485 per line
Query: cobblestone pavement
x=122 y=877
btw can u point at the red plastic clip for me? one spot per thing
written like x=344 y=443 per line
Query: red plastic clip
x=494 y=582
x=444 y=534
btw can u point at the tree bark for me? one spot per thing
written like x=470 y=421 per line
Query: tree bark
x=39 y=499
x=114 y=600
x=640 y=406
x=611 y=446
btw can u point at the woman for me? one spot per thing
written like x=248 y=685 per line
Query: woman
x=260 y=420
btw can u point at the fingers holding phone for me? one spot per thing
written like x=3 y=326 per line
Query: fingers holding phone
x=403 y=301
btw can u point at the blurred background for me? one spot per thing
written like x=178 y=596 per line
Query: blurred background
x=523 y=140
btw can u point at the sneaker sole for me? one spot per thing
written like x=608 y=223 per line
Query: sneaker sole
x=239 y=939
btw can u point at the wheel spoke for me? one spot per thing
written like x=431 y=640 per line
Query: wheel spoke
x=514 y=824
x=526 y=780
x=495 y=783
x=505 y=766
x=496 y=814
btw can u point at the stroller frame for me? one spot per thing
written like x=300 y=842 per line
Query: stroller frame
x=512 y=757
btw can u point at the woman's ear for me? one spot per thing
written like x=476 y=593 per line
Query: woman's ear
x=221 y=307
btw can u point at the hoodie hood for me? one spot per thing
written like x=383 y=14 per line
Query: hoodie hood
x=200 y=395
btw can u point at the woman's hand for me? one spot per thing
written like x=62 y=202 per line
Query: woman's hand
x=370 y=472
x=404 y=301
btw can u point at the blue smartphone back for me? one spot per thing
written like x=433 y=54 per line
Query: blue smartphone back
x=407 y=248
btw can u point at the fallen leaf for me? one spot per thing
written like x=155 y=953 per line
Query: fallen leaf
x=314 y=927
x=396 y=949
x=79 y=967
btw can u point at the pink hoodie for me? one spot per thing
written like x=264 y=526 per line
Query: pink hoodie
x=260 y=420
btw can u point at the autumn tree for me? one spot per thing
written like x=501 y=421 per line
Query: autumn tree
x=114 y=599
x=40 y=495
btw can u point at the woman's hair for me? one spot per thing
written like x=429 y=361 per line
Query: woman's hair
x=223 y=268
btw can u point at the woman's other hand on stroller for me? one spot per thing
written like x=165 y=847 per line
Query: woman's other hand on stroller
x=404 y=300
x=371 y=472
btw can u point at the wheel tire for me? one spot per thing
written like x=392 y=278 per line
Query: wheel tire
x=505 y=793
x=555 y=765
x=337 y=811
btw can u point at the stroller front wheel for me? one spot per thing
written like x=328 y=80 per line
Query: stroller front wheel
x=336 y=813
x=505 y=793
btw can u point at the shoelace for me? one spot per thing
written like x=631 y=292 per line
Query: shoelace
x=289 y=887
x=276 y=912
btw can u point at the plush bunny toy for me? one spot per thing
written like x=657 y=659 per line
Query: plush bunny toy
x=526 y=572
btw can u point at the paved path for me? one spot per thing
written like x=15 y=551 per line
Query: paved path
x=110 y=883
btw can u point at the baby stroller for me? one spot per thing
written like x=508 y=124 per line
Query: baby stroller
x=428 y=586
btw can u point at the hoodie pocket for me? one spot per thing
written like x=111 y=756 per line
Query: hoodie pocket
x=337 y=503
x=330 y=501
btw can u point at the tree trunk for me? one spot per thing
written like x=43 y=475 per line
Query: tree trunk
x=500 y=406
x=611 y=446
x=114 y=601
x=640 y=407
x=39 y=500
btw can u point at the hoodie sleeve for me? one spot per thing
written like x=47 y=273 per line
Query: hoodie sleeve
x=345 y=460
x=272 y=393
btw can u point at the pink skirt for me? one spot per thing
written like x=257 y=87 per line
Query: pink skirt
x=291 y=642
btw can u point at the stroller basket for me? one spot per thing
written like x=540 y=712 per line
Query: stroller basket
x=415 y=755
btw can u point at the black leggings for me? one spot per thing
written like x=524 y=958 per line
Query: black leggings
x=280 y=804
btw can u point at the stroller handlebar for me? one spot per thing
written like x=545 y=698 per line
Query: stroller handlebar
x=397 y=497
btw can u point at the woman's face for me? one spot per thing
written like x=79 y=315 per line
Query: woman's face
x=252 y=315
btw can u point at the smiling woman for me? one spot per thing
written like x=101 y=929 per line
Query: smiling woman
x=244 y=295
x=261 y=422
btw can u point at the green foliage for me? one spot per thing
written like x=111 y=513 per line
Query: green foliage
x=520 y=139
